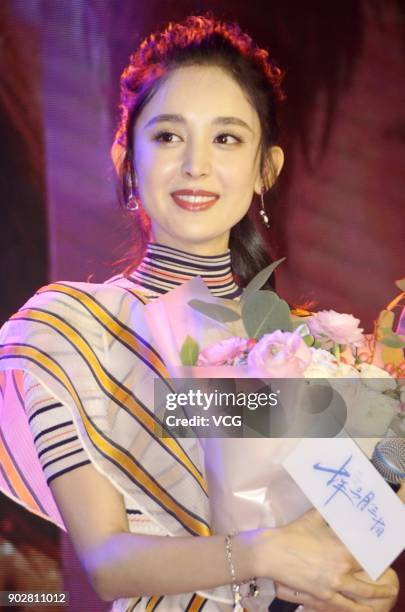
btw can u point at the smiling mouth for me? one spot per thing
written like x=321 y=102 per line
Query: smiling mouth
x=194 y=200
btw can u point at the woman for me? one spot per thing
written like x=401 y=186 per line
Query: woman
x=197 y=139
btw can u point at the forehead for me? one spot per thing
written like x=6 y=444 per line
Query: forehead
x=200 y=93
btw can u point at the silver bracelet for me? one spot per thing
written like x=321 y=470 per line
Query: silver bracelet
x=237 y=595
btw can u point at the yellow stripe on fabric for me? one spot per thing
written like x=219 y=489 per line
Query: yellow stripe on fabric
x=107 y=383
x=197 y=603
x=128 y=463
x=15 y=479
x=113 y=325
x=142 y=298
x=150 y=606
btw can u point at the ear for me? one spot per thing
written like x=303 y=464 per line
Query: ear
x=117 y=155
x=272 y=167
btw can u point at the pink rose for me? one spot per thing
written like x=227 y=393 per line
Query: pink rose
x=224 y=352
x=281 y=355
x=330 y=327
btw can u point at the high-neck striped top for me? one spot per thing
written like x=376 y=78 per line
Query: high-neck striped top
x=163 y=268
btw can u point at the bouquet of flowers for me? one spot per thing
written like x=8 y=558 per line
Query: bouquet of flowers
x=260 y=337
x=291 y=344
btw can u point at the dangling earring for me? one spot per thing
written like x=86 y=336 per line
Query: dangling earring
x=262 y=211
x=133 y=200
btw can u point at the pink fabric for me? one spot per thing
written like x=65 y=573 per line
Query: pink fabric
x=16 y=434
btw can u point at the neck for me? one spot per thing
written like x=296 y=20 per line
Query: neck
x=216 y=246
x=164 y=267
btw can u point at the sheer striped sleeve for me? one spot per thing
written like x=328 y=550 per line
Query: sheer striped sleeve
x=55 y=437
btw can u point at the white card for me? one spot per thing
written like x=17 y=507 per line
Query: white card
x=353 y=498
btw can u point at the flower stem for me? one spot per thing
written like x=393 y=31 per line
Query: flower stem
x=336 y=351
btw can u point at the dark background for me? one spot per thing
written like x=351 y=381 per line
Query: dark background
x=338 y=210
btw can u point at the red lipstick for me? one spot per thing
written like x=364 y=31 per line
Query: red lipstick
x=194 y=199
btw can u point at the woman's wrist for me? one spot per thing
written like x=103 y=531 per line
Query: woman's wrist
x=242 y=555
x=259 y=544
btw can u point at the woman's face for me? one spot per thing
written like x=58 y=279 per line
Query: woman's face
x=197 y=158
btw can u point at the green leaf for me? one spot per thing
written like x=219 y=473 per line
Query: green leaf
x=215 y=311
x=386 y=331
x=393 y=341
x=259 y=280
x=309 y=340
x=264 y=312
x=189 y=352
x=401 y=284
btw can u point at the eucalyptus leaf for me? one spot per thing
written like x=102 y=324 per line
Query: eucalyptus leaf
x=393 y=341
x=401 y=284
x=259 y=280
x=189 y=352
x=264 y=312
x=215 y=311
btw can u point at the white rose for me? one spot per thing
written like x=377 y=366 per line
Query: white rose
x=344 y=370
x=323 y=364
x=376 y=378
x=322 y=357
x=369 y=413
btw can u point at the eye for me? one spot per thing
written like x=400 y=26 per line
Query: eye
x=166 y=137
x=227 y=139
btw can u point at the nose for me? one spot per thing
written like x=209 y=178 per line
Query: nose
x=196 y=161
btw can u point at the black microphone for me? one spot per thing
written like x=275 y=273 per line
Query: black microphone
x=389 y=460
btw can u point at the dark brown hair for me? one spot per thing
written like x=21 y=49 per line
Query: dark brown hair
x=202 y=40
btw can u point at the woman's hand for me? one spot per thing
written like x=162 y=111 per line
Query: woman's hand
x=313 y=604
x=381 y=604
x=307 y=558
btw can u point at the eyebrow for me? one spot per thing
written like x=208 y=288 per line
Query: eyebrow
x=173 y=118
x=232 y=121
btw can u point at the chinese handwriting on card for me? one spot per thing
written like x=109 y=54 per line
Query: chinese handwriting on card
x=343 y=480
x=342 y=484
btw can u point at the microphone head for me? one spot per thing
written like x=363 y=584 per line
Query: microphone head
x=389 y=459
